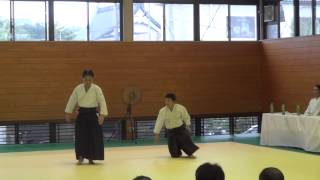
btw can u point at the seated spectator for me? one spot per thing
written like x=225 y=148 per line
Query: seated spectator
x=209 y=171
x=271 y=174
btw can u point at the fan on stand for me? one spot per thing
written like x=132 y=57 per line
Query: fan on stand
x=131 y=96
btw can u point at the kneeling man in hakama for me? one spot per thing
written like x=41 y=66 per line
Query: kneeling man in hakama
x=176 y=120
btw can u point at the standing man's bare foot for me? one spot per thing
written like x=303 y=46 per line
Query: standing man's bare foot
x=192 y=157
x=91 y=162
x=80 y=161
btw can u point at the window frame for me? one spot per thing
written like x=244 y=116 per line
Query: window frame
x=315 y=15
x=296 y=4
x=231 y=3
x=10 y=24
x=163 y=24
x=196 y=14
x=12 y=20
x=51 y=18
x=49 y=25
x=164 y=2
x=312 y=19
x=228 y=24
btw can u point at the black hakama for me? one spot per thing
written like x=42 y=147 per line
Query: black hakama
x=89 y=135
x=180 y=139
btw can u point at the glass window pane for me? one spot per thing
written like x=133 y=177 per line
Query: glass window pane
x=104 y=21
x=4 y=20
x=30 y=21
x=179 y=22
x=305 y=12
x=70 y=21
x=148 y=21
x=318 y=17
x=213 y=22
x=272 y=31
x=243 y=22
x=286 y=18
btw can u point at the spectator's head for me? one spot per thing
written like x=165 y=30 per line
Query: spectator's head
x=209 y=171
x=316 y=90
x=170 y=99
x=271 y=174
x=87 y=76
x=142 y=178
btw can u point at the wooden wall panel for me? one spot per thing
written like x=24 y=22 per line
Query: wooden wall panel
x=37 y=77
x=290 y=70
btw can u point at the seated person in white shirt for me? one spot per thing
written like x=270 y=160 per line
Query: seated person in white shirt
x=176 y=120
x=314 y=104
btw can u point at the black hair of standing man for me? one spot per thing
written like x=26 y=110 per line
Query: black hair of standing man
x=87 y=72
x=171 y=96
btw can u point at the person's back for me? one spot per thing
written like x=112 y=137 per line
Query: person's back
x=209 y=171
x=271 y=174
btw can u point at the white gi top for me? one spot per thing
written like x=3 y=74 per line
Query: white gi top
x=172 y=119
x=90 y=99
x=314 y=107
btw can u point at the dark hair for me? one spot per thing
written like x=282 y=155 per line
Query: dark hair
x=271 y=173
x=171 y=96
x=142 y=178
x=87 y=72
x=318 y=86
x=208 y=171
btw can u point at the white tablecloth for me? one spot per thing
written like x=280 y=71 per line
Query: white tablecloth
x=291 y=131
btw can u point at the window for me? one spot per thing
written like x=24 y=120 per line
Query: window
x=30 y=21
x=104 y=21
x=100 y=20
x=88 y=21
x=272 y=31
x=179 y=22
x=148 y=21
x=243 y=22
x=305 y=12
x=286 y=18
x=214 y=22
x=4 y=20
x=216 y=126
x=159 y=21
x=70 y=21
x=246 y=125
x=318 y=17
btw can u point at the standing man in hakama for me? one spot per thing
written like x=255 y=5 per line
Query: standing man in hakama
x=176 y=119
x=92 y=110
